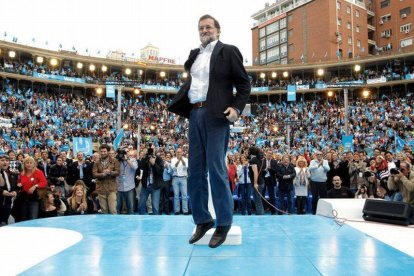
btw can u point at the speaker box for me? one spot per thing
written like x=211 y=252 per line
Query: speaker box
x=388 y=212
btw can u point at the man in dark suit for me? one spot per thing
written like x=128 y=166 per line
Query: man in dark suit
x=81 y=170
x=208 y=101
x=270 y=179
x=8 y=190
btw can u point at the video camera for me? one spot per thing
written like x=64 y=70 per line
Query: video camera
x=394 y=171
x=121 y=154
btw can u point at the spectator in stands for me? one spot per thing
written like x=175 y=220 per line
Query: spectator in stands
x=339 y=191
x=31 y=180
x=8 y=190
x=166 y=186
x=44 y=164
x=285 y=173
x=58 y=174
x=357 y=167
x=301 y=185
x=244 y=186
x=81 y=169
x=270 y=179
x=318 y=168
x=256 y=167
x=105 y=170
x=79 y=203
x=179 y=181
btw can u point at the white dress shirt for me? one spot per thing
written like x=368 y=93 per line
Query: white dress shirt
x=200 y=74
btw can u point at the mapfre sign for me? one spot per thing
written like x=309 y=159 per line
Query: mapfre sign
x=161 y=60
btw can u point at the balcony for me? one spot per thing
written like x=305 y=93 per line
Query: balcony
x=372 y=42
x=370 y=13
x=370 y=27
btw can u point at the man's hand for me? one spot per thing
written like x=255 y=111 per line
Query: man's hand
x=231 y=114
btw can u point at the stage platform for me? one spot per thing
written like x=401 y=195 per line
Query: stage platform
x=158 y=245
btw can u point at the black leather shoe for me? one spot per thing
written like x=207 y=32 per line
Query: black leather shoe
x=201 y=230
x=219 y=236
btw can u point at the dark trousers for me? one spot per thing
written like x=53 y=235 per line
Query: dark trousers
x=301 y=204
x=245 y=191
x=29 y=209
x=270 y=187
x=5 y=211
x=165 y=197
x=318 y=190
x=208 y=138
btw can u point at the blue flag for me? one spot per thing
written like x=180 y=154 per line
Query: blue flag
x=81 y=144
x=118 y=139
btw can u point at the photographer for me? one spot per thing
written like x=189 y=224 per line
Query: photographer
x=357 y=167
x=402 y=181
x=126 y=179
x=152 y=179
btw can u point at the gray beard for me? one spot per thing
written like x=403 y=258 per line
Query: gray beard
x=205 y=40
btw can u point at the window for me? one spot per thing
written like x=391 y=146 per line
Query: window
x=404 y=12
x=358 y=43
x=406 y=28
x=357 y=29
x=262 y=32
x=339 y=22
x=272 y=54
x=406 y=42
x=262 y=44
x=263 y=58
x=385 y=3
x=272 y=40
x=348 y=10
x=338 y=5
x=283 y=36
x=349 y=40
x=348 y=25
x=386 y=33
x=282 y=23
x=272 y=28
x=385 y=18
x=283 y=50
x=357 y=13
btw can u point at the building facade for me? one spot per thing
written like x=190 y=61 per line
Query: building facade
x=304 y=31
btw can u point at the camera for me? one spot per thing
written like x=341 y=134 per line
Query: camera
x=367 y=174
x=121 y=154
x=394 y=171
x=150 y=153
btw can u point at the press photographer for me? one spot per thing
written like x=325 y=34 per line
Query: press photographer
x=152 y=177
x=126 y=183
x=402 y=181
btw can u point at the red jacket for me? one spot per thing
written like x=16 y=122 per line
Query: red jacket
x=37 y=177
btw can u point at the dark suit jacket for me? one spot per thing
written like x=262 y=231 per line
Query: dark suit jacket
x=74 y=175
x=226 y=71
x=6 y=200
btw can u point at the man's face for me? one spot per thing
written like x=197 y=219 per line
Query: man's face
x=337 y=182
x=4 y=163
x=44 y=155
x=269 y=155
x=79 y=156
x=104 y=153
x=179 y=153
x=207 y=31
x=404 y=169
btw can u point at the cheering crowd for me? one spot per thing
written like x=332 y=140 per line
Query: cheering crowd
x=41 y=177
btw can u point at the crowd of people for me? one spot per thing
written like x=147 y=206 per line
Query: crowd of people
x=37 y=129
x=391 y=71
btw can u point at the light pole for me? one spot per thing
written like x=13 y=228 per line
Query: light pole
x=288 y=124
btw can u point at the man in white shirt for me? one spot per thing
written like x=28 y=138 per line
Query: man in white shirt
x=318 y=168
x=179 y=165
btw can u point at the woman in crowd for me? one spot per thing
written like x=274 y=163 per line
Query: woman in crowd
x=50 y=205
x=78 y=203
x=31 y=181
x=301 y=184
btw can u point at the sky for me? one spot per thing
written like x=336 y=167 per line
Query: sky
x=128 y=25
